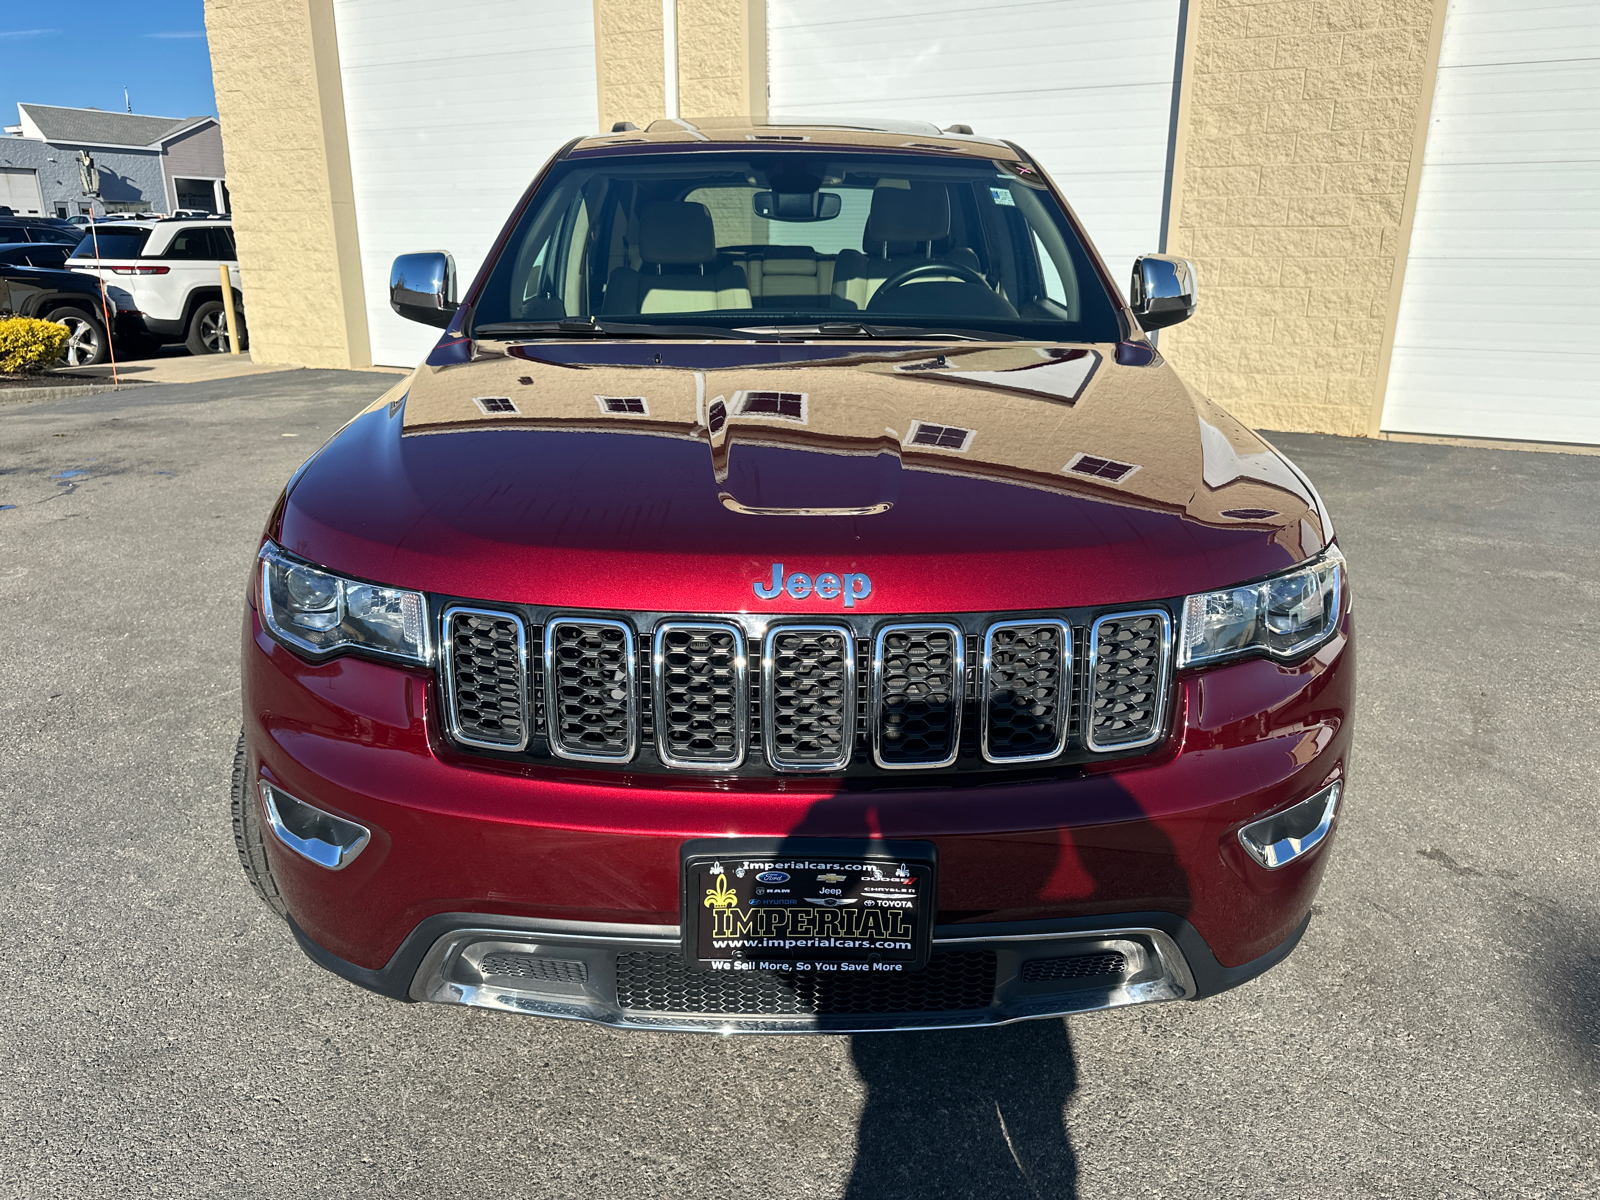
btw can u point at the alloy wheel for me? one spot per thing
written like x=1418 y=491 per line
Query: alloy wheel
x=214 y=332
x=83 y=342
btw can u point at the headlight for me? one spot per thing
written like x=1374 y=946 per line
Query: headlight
x=1283 y=616
x=318 y=612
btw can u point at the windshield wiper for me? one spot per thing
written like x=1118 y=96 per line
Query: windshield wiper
x=847 y=329
x=593 y=328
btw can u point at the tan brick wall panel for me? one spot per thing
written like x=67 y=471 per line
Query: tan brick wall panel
x=1299 y=152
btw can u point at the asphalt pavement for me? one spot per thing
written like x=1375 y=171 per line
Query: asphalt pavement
x=1436 y=1034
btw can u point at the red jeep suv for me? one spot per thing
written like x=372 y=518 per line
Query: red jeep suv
x=794 y=594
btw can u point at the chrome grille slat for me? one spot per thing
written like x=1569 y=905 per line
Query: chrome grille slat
x=1026 y=690
x=589 y=672
x=486 y=678
x=701 y=708
x=808 y=697
x=1128 y=679
x=918 y=692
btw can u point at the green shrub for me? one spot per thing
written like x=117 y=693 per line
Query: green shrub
x=28 y=346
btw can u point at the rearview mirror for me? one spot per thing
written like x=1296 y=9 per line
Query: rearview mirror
x=796 y=206
x=1163 y=292
x=422 y=287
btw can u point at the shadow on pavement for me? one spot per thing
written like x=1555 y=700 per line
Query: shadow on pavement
x=972 y=1112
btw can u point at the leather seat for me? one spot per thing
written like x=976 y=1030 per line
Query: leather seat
x=902 y=227
x=679 y=271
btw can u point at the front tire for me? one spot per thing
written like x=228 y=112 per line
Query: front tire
x=247 y=835
x=208 y=328
x=87 y=344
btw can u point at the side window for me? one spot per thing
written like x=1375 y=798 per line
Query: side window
x=223 y=243
x=1048 y=274
x=190 y=244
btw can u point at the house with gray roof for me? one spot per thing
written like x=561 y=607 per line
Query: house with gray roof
x=146 y=164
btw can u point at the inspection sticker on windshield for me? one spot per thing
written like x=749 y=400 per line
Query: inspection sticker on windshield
x=828 y=914
x=1003 y=196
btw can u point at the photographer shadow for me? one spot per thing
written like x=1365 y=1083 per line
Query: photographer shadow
x=982 y=1111
x=966 y=1112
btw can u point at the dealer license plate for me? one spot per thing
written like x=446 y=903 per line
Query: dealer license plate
x=797 y=904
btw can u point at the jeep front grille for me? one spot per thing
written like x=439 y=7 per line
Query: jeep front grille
x=733 y=695
x=589 y=679
x=486 y=676
x=700 y=713
x=919 y=676
x=1026 y=695
x=809 y=693
x=1128 y=683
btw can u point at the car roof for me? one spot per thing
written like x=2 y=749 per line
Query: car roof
x=750 y=134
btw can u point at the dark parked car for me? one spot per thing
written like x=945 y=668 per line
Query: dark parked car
x=37 y=229
x=35 y=283
x=795 y=594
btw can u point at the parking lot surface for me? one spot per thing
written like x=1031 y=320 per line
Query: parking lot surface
x=1437 y=1033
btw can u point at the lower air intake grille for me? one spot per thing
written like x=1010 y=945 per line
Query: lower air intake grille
x=1081 y=966
x=1128 y=683
x=700 y=702
x=488 y=684
x=532 y=966
x=589 y=671
x=1026 y=690
x=921 y=680
x=810 y=697
x=954 y=981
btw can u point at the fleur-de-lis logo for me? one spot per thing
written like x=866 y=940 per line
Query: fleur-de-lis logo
x=721 y=896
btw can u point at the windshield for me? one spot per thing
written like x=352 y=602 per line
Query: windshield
x=711 y=240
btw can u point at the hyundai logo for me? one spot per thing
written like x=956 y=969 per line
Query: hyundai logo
x=827 y=586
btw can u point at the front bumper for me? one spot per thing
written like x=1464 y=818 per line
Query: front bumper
x=574 y=872
x=633 y=977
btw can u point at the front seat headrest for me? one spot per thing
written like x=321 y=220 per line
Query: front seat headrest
x=920 y=213
x=676 y=232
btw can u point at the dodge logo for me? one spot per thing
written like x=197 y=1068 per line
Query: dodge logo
x=827 y=586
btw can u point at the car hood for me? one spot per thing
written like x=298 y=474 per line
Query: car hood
x=677 y=476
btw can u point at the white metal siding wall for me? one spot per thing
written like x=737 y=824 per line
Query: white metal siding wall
x=1498 y=332
x=450 y=111
x=1085 y=86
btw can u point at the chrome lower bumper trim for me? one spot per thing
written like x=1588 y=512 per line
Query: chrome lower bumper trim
x=581 y=984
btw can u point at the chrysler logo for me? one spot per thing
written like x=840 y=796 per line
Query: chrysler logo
x=827 y=586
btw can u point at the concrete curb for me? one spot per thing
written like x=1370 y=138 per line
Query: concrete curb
x=64 y=392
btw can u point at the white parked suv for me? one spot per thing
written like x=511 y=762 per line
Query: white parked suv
x=165 y=280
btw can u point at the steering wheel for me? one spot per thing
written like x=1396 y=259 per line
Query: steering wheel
x=901 y=278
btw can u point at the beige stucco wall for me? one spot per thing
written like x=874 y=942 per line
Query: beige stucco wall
x=721 y=59
x=276 y=68
x=1301 y=134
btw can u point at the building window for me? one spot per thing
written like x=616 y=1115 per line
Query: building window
x=495 y=404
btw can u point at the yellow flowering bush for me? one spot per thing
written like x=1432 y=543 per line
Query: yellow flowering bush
x=28 y=346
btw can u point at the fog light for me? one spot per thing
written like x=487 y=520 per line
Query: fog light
x=325 y=839
x=1278 y=840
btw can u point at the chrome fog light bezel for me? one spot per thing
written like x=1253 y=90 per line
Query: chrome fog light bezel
x=1288 y=835
x=297 y=825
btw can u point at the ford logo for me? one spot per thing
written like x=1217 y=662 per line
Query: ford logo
x=773 y=877
x=827 y=586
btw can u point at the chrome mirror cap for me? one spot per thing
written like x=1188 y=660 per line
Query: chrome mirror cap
x=1164 y=290
x=422 y=287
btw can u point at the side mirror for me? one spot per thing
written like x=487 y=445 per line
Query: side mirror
x=422 y=287
x=1164 y=290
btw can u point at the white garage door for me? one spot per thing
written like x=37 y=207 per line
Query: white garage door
x=1499 y=324
x=451 y=110
x=1085 y=86
x=19 y=191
